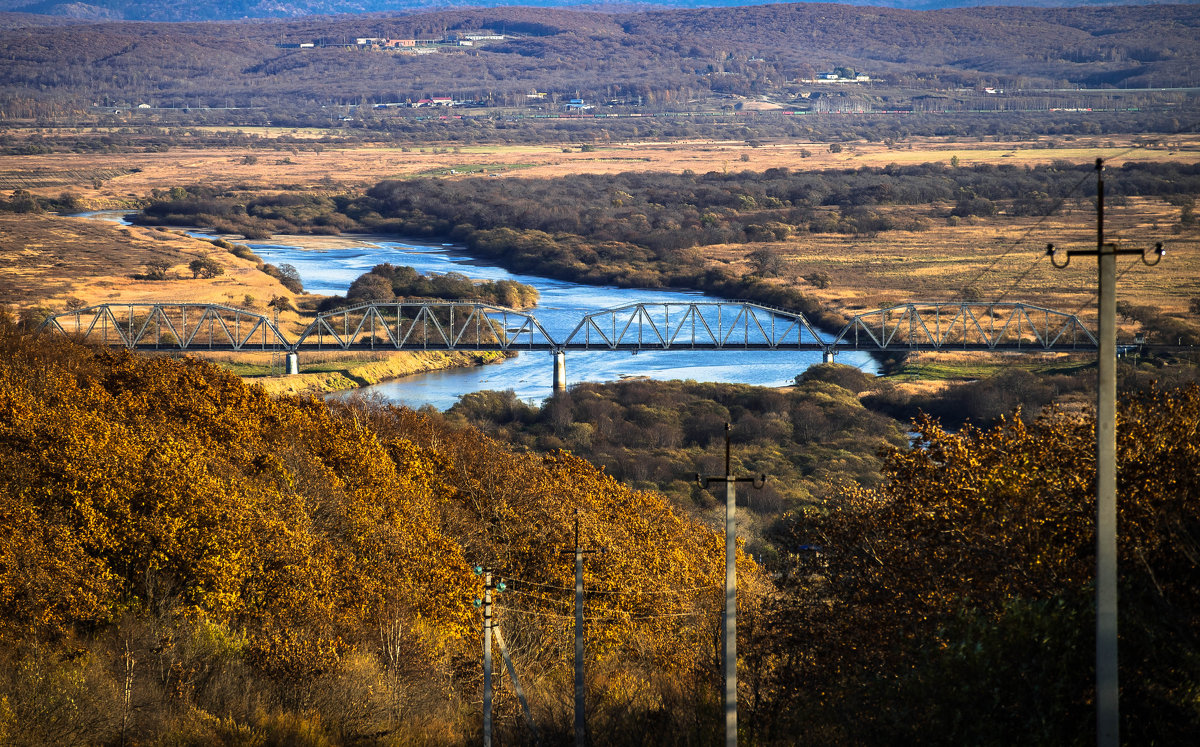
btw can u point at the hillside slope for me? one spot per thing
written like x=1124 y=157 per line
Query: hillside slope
x=234 y=563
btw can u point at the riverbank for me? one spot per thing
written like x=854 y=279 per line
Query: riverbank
x=335 y=376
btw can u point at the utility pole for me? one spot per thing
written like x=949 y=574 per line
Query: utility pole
x=1108 y=719
x=486 y=603
x=580 y=713
x=729 y=622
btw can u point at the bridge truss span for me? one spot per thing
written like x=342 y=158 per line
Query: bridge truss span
x=694 y=326
x=171 y=326
x=425 y=326
x=965 y=326
x=473 y=326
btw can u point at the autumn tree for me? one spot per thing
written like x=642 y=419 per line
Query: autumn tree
x=953 y=605
x=165 y=513
x=205 y=267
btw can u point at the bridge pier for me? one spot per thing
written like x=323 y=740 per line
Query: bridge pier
x=293 y=364
x=560 y=371
x=828 y=356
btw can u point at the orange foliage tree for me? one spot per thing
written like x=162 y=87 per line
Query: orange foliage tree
x=954 y=605
x=295 y=538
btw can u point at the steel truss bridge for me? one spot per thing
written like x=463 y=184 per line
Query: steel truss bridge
x=412 y=326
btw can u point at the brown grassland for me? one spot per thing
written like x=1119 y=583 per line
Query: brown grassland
x=49 y=260
x=333 y=166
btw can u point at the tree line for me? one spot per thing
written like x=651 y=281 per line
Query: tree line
x=386 y=283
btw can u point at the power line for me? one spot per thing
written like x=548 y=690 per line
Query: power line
x=1017 y=242
x=1037 y=261
x=621 y=618
x=1094 y=295
x=615 y=591
x=1053 y=209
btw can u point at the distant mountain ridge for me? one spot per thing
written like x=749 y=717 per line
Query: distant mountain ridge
x=224 y=10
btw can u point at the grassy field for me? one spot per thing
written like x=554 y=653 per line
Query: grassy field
x=51 y=260
x=960 y=366
x=94 y=179
x=998 y=258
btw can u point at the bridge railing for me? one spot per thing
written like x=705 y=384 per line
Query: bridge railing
x=995 y=326
x=167 y=325
x=425 y=326
x=700 y=325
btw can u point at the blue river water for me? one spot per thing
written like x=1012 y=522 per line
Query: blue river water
x=561 y=306
x=330 y=271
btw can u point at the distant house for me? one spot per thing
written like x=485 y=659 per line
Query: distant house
x=577 y=105
x=442 y=101
x=307 y=45
x=397 y=43
x=839 y=75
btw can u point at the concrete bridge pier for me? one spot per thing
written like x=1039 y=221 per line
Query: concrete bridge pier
x=828 y=355
x=293 y=364
x=560 y=371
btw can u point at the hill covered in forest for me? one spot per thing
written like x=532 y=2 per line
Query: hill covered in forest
x=643 y=61
x=181 y=554
x=193 y=10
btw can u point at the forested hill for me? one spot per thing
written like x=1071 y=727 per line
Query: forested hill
x=643 y=61
x=239 y=558
x=223 y=10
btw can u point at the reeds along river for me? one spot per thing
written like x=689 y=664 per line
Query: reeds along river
x=330 y=271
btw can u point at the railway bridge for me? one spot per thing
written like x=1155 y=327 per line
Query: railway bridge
x=723 y=326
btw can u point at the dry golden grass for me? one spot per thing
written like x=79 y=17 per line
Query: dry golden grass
x=51 y=174
x=997 y=259
x=50 y=259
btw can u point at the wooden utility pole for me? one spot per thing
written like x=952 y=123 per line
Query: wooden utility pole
x=729 y=621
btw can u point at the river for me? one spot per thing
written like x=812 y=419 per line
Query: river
x=330 y=271
x=561 y=306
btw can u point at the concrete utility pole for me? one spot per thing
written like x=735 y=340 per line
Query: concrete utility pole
x=580 y=713
x=486 y=602
x=729 y=622
x=1107 y=681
